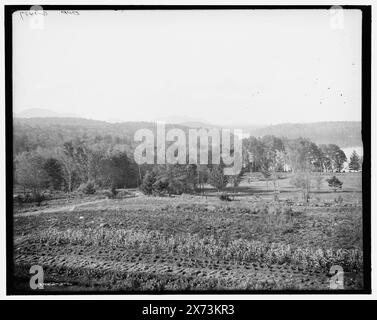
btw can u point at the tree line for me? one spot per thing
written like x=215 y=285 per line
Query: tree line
x=75 y=164
x=102 y=163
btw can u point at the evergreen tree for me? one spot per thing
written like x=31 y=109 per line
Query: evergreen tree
x=148 y=182
x=54 y=171
x=354 y=161
x=172 y=178
x=361 y=162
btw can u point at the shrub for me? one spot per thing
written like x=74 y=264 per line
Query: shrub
x=334 y=183
x=111 y=194
x=30 y=198
x=124 y=194
x=114 y=192
x=87 y=188
x=225 y=197
x=18 y=199
x=260 y=208
x=38 y=198
x=289 y=202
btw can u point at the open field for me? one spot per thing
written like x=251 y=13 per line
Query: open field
x=194 y=242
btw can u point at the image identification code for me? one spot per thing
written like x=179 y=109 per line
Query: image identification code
x=190 y=309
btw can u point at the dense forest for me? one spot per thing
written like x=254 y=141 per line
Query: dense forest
x=69 y=154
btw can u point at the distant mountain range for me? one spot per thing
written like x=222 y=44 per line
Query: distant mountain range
x=343 y=133
x=43 y=113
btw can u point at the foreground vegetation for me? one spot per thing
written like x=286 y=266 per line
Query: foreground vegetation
x=192 y=242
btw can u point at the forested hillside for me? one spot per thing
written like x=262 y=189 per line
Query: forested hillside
x=51 y=132
x=28 y=134
x=342 y=133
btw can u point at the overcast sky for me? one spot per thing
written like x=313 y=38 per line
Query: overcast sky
x=224 y=67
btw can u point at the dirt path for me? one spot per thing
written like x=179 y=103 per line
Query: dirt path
x=70 y=208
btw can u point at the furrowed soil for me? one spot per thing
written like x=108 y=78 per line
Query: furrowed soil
x=189 y=243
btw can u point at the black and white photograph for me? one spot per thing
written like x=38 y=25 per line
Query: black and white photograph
x=166 y=150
